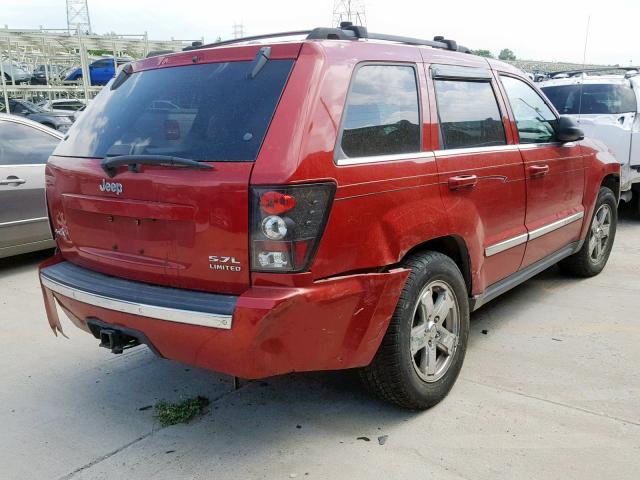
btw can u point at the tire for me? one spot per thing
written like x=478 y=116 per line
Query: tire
x=591 y=259
x=403 y=371
x=635 y=202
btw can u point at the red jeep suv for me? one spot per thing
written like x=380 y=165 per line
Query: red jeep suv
x=341 y=201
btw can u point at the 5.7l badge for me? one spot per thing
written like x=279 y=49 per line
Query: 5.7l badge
x=224 y=263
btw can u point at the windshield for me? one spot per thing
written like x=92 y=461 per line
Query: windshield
x=600 y=99
x=212 y=112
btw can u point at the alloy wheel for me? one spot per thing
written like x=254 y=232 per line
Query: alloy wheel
x=599 y=234
x=435 y=331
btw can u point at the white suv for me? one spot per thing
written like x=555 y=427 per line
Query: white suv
x=606 y=107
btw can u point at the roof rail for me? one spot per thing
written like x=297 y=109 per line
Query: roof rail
x=250 y=39
x=346 y=31
x=573 y=73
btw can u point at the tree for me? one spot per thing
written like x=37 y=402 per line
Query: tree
x=506 y=54
x=483 y=53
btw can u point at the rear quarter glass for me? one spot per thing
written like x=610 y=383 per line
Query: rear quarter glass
x=206 y=112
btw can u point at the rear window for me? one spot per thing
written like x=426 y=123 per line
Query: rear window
x=214 y=112
x=596 y=99
x=382 y=113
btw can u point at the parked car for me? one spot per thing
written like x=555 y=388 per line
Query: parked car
x=317 y=205
x=25 y=147
x=100 y=71
x=57 y=119
x=607 y=108
x=42 y=72
x=72 y=104
x=14 y=73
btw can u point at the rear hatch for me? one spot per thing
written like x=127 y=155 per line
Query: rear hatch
x=171 y=225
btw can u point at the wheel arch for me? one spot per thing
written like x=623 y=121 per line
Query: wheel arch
x=612 y=181
x=453 y=247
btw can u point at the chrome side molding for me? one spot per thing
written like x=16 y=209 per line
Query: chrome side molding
x=538 y=232
x=506 y=244
x=532 y=235
x=383 y=158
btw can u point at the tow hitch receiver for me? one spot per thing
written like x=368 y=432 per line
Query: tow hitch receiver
x=116 y=341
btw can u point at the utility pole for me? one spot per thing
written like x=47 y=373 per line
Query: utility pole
x=78 y=17
x=349 y=11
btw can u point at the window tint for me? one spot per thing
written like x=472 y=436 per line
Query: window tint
x=534 y=119
x=469 y=114
x=382 y=113
x=209 y=112
x=23 y=145
x=102 y=63
x=596 y=99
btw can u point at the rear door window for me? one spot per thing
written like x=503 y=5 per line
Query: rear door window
x=469 y=114
x=206 y=112
x=24 y=145
x=603 y=99
x=534 y=118
x=382 y=115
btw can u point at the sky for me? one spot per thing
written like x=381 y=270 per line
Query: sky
x=535 y=30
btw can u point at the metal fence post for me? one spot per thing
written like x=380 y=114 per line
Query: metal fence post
x=86 y=75
x=4 y=88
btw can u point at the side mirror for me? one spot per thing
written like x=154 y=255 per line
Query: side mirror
x=568 y=130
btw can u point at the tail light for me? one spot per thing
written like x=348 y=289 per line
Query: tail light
x=287 y=224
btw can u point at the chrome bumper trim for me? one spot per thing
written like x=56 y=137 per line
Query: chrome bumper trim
x=152 y=311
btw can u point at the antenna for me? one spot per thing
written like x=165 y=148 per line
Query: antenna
x=78 y=17
x=349 y=11
x=584 y=66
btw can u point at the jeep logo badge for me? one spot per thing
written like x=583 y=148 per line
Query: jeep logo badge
x=110 y=187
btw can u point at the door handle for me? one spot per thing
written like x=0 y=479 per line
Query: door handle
x=13 y=181
x=462 y=181
x=538 y=171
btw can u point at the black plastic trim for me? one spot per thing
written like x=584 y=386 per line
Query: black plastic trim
x=521 y=276
x=88 y=281
x=455 y=71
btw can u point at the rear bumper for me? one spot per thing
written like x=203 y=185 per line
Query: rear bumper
x=330 y=324
x=125 y=296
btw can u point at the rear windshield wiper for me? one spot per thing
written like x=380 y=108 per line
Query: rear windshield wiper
x=110 y=164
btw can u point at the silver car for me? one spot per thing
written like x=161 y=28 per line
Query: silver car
x=25 y=147
x=13 y=72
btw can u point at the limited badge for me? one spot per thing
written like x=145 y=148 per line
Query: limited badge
x=224 y=263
